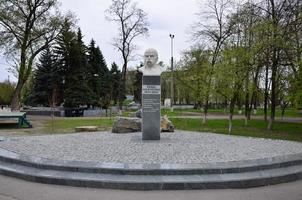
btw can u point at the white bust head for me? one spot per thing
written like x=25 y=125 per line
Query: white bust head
x=150 y=58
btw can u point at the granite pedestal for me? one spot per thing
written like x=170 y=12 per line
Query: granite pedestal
x=151 y=108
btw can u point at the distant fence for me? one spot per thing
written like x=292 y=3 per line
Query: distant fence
x=56 y=113
x=70 y=112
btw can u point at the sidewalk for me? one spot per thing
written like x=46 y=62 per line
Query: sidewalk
x=15 y=189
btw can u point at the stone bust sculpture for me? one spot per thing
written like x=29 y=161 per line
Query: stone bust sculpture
x=151 y=68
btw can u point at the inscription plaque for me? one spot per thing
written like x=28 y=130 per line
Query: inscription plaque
x=151 y=107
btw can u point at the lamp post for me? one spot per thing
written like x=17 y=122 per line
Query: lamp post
x=172 y=72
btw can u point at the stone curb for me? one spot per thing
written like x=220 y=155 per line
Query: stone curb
x=151 y=169
x=154 y=182
x=237 y=174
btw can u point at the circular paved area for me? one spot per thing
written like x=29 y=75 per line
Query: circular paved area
x=181 y=147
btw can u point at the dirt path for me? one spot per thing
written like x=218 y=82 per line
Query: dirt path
x=10 y=129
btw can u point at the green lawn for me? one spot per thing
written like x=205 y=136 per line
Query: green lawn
x=68 y=125
x=290 y=112
x=255 y=128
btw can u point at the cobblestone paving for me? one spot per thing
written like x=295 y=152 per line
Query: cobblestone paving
x=179 y=147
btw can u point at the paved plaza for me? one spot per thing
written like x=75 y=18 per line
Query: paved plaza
x=181 y=147
x=179 y=161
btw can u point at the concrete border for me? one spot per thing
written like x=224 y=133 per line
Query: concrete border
x=151 y=169
x=237 y=174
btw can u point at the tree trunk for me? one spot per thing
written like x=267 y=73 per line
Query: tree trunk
x=15 y=103
x=273 y=98
x=230 y=123
x=283 y=112
x=205 y=112
x=121 y=96
x=247 y=99
x=283 y=107
x=225 y=106
x=123 y=87
x=255 y=102
x=232 y=105
x=245 y=121
x=231 y=117
x=275 y=59
x=204 y=120
x=266 y=93
x=254 y=94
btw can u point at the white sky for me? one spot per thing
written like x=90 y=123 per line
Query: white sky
x=164 y=16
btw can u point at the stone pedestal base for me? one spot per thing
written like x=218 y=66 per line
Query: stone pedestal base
x=151 y=108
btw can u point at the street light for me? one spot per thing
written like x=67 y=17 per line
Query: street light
x=172 y=75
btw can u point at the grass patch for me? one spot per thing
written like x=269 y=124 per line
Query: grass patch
x=290 y=112
x=255 y=128
x=176 y=112
x=68 y=125
x=127 y=113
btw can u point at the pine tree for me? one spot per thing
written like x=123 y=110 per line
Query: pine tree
x=105 y=84
x=65 y=41
x=138 y=87
x=98 y=73
x=93 y=73
x=99 y=77
x=115 y=77
x=76 y=91
x=62 y=52
x=47 y=81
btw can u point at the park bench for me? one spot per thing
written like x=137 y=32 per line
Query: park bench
x=21 y=116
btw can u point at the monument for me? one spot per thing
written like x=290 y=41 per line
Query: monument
x=151 y=96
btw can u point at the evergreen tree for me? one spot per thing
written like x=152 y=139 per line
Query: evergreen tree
x=62 y=51
x=47 y=81
x=93 y=73
x=105 y=83
x=98 y=73
x=115 y=76
x=65 y=42
x=138 y=87
x=76 y=91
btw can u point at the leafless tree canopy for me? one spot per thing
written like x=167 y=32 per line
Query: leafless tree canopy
x=132 y=22
x=213 y=24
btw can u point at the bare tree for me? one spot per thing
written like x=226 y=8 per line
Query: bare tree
x=132 y=22
x=26 y=28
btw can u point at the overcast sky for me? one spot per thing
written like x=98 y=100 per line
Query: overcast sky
x=164 y=16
